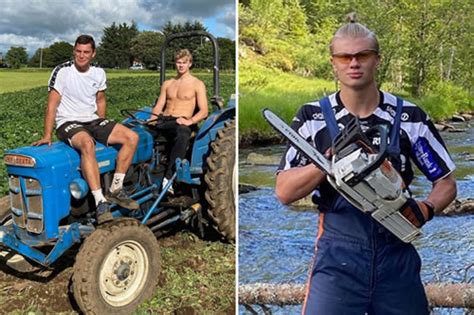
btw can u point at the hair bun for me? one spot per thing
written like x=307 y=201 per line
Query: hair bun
x=351 y=17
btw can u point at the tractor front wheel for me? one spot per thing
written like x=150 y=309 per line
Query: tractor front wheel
x=116 y=268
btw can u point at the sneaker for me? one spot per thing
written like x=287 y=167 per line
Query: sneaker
x=121 y=198
x=103 y=212
x=165 y=182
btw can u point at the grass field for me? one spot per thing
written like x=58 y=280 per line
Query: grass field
x=283 y=93
x=24 y=79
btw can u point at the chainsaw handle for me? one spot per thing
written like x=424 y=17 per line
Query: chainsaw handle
x=382 y=154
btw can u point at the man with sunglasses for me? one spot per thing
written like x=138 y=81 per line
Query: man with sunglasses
x=360 y=267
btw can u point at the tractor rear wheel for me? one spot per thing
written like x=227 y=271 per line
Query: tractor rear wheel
x=116 y=268
x=222 y=182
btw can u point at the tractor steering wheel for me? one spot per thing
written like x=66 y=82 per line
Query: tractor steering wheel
x=131 y=113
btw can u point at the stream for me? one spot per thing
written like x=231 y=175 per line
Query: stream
x=276 y=242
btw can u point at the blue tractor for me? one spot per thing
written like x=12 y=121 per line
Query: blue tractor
x=117 y=264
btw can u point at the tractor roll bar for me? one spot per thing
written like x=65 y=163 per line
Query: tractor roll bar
x=172 y=37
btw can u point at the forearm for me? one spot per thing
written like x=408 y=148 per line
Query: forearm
x=157 y=109
x=101 y=110
x=53 y=101
x=101 y=104
x=443 y=193
x=200 y=115
x=298 y=182
x=49 y=117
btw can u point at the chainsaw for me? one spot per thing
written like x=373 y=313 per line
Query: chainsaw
x=364 y=177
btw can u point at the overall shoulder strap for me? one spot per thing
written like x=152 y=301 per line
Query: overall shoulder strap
x=394 y=146
x=329 y=117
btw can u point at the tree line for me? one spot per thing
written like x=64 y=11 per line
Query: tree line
x=423 y=43
x=123 y=45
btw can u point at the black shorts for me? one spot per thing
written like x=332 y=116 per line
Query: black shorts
x=99 y=129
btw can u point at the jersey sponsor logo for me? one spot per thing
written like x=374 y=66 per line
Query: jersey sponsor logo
x=318 y=116
x=376 y=141
x=391 y=111
x=425 y=158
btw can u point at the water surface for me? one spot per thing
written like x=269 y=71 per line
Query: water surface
x=276 y=242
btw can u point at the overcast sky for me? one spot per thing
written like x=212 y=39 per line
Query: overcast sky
x=40 y=23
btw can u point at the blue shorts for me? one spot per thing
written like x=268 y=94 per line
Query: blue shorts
x=378 y=275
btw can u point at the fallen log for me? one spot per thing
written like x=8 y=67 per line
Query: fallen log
x=439 y=294
x=458 y=206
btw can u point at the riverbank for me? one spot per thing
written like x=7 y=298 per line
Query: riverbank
x=284 y=93
x=255 y=137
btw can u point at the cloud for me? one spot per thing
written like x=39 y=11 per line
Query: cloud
x=228 y=21
x=41 y=22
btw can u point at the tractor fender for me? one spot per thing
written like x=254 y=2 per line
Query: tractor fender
x=206 y=134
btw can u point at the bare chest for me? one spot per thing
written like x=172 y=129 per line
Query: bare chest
x=181 y=91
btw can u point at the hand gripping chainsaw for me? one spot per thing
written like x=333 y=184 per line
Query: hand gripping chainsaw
x=362 y=176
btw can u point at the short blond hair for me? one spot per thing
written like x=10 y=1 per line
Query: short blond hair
x=354 y=30
x=183 y=53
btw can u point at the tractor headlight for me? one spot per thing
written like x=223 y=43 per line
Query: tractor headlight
x=78 y=188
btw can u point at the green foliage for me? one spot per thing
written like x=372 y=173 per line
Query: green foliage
x=146 y=48
x=422 y=42
x=284 y=93
x=446 y=100
x=114 y=50
x=192 y=44
x=437 y=106
x=226 y=53
x=16 y=56
x=22 y=113
x=52 y=56
x=278 y=31
x=197 y=276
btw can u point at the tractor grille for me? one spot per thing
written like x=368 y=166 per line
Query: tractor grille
x=26 y=203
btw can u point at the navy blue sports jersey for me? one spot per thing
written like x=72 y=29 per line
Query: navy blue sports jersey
x=420 y=143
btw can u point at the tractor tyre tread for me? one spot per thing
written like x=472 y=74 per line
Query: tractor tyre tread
x=93 y=251
x=219 y=193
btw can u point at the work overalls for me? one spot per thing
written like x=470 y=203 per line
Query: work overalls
x=360 y=267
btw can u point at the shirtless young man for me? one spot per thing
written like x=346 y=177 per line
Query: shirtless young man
x=176 y=106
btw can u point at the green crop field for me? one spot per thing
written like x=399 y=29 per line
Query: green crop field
x=24 y=79
x=22 y=113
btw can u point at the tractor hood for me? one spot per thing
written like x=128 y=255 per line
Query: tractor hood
x=42 y=156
